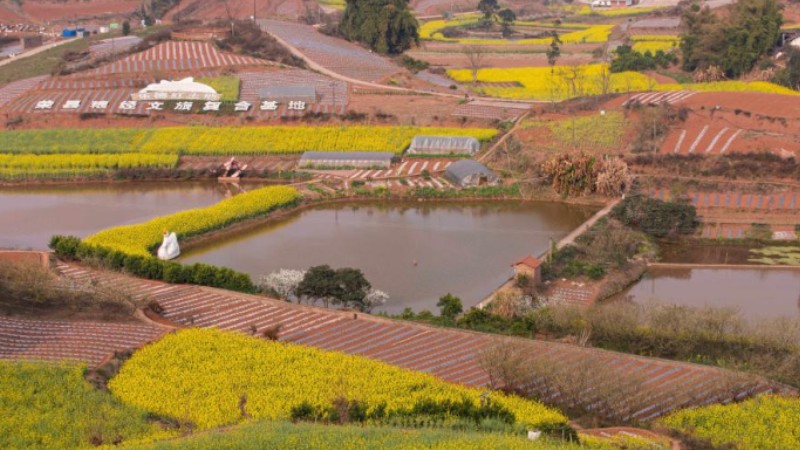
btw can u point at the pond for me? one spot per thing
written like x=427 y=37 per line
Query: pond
x=416 y=252
x=755 y=293
x=30 y=216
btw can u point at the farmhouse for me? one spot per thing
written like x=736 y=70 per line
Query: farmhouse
x=530 y=267
x=468 y=173
x=361 y=160
x=444 y=145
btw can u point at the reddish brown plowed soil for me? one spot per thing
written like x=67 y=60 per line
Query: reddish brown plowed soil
x=737 y=122
x=8 y=15
x=422 y=110
x=64 y=11
x=211 y=10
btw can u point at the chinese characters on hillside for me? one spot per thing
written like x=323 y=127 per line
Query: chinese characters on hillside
x=179 y=106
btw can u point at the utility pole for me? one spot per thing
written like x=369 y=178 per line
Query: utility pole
x=254 y=11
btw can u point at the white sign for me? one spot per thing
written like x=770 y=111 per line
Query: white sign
x=269 y=105
x=45 y=104
x=212 y=106
x=183 y=106
x=186 y=106
x=127 y=105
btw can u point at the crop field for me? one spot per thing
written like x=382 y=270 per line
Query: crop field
x=645 y=42
x=764 y=423
x=559 y=83
x=617 y=12
x=306 y=436
x=226 y=140
x=86 y=342
x=174 y=56
x=564 y=82
x=576 y=33
x=28 y=166
x=591 y=133
x=139 y=239
x=226 y=85
x=45 y=406
x=282 y=140
x=201 y=375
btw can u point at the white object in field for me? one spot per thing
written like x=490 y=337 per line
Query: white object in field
x=169 y=247
x=534 y=435
x=185 y=89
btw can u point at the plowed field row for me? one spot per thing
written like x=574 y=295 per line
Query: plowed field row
x=88 y=342
x=789 y=201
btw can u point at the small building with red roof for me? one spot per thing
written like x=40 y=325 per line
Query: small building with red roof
x=529 y=266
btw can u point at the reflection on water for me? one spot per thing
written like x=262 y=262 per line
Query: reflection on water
x=754 y=292
x=30 y=216
x=462 y=248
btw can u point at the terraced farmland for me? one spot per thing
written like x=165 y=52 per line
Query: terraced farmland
x=452 y=355
x=174 y=56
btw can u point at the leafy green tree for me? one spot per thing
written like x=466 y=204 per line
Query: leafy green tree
x=351 y=288
x=655 y=217
x=319 y=283
x=790 y=75
x=507 y=17
x=449 y=307
x=488 y=8
x=628 y=60
x=554 y=51
x=735 y=43
x=386 y=26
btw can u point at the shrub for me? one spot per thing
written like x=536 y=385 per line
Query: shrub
x=655 y=217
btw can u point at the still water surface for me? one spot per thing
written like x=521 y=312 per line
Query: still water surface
x=30 y=216
x=754 y=292
x=463 y=248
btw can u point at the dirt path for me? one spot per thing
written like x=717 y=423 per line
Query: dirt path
x=570 y=238
x=313 y=65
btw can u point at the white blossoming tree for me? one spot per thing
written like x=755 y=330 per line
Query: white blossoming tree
x=375 y=297
x=282 y=283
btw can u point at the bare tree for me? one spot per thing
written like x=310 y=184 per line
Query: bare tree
x=475 y=57
x=604 y=80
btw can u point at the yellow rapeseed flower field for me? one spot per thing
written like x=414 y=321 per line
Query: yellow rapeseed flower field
x=86 y=161
x=763 y=423
x=580 y=34
x=558 y=83
x=202 y=375
x=225 y=140
x=45 y=406
x=140 y=239
x=564 y=82
x=284 y=139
